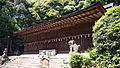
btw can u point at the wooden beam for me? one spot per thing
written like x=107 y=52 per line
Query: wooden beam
x=76 y=17
x=79 y=15
x=70 y=20
x=100 y=14
x=96 y=15
x=93 y=11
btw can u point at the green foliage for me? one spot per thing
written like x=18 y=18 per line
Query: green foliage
x=16 y=52
x=5 y=62
x=106 y=39
x=32 y=12
x=105 y=2
x=7 y=26
x=93 y=53
x=78 y=60
x=44 y=10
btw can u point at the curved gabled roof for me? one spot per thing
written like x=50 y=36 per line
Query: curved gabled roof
x=90 y=14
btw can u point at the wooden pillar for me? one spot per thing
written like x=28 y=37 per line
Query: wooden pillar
x=56 y=47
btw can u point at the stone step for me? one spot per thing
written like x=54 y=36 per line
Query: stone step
x=21 y=67
x=57 y=63
x=30 y=62
x=23 y=63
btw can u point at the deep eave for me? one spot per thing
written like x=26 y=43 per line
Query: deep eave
x=90 y=14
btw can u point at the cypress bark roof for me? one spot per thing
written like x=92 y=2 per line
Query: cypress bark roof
x=90 y=14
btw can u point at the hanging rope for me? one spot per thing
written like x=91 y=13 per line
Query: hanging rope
x=61 y=39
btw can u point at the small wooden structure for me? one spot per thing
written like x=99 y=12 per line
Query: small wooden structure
x=45 y=63
x=56 y=33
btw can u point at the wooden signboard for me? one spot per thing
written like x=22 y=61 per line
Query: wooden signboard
x=45 y=63
x=51 y=52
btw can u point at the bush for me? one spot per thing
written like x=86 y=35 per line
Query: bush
x=106 y=39
x=80 y=61
x=93 y=54
x=76 y=60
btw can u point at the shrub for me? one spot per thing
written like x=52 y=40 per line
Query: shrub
x=106 y=39
x=80 y=61
x=76 y=60
x=93 y=54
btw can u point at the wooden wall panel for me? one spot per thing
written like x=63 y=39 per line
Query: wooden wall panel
x=61 y=46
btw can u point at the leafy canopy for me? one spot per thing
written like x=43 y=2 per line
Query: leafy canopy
x=106 y=39
x=7 y=26
x=44 y=10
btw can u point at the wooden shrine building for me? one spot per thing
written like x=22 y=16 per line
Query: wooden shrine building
x=56 y=33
